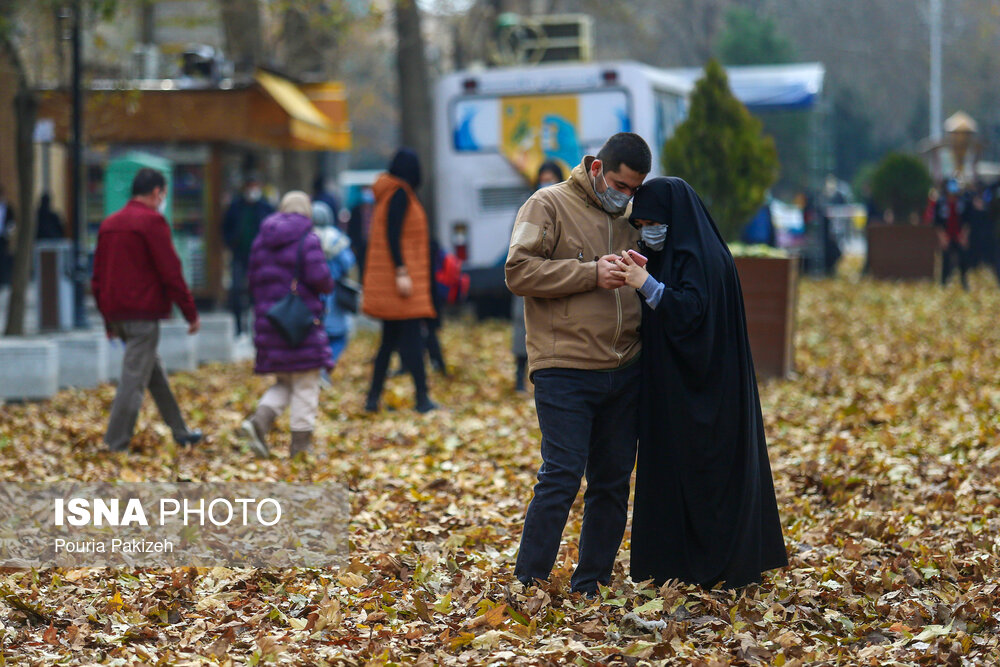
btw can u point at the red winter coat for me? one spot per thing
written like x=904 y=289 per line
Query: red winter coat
x=137 y=274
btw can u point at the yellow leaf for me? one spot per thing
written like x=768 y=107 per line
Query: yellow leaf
x=352 y=580
x=444 y=604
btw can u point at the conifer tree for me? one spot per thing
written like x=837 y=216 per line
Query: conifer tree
x=721 y=151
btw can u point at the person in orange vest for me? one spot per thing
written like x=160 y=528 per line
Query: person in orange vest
x=397 y=276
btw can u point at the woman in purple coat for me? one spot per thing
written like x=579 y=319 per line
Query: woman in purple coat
x=273 y=259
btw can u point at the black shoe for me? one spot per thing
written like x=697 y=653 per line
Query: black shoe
x=590 y=595
x=120 y=448
x=192 y=437
x=426 y=406
x=371 y=407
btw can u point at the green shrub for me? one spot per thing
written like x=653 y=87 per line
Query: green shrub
x=901 y=183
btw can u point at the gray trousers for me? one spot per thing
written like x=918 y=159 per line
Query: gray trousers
x=141 y=368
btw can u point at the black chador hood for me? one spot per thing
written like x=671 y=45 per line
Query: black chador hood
x=406 y=165
x=671 y=201
x=697 y=271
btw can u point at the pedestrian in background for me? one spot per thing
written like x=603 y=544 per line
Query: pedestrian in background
x=976 y=216
x=324 y=193
x=359 y=226
x=137 y=278
x=339 y=258
x=549 y=173
x=953 y=232
x=286 y=250
x=991 y=197
x=397 y=277
x=439 y=297
x=240 y=226
x=50 y=226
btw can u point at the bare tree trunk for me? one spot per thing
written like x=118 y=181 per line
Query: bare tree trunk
x=416 y=124
x=244 y=36
x=307 y=49
x=307 y=45
x=26 y=111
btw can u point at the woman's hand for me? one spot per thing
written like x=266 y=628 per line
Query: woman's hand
x=404 y=284
x=633 y=274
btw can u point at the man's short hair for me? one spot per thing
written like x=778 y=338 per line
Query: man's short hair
x=626 y=148
x=147 y=180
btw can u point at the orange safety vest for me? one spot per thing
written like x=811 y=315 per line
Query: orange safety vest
x=381 y=300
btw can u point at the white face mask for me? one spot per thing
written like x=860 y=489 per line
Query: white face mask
x=654 y=236
x=613 y=201
x=161 y=208
x=253 y=194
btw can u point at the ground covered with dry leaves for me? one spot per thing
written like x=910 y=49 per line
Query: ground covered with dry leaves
x=885 y=453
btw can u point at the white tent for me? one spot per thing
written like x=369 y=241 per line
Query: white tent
x=770 y=87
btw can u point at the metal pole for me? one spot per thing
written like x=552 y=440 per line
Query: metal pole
x=76 y=161
x=935 y=87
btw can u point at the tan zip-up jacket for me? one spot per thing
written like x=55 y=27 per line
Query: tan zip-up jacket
x=559 y=234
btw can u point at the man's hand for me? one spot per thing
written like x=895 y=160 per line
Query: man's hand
x=629 y=271
x=606 y=273
x=404 y=285
x=193 y=327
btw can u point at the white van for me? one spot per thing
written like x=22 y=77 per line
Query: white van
x=495 y=127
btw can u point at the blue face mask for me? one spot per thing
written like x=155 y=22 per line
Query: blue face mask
x=654 y=236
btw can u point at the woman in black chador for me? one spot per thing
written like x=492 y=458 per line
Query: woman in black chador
x=704 y=509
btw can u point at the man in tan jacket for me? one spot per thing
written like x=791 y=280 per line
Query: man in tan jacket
x=583 y=347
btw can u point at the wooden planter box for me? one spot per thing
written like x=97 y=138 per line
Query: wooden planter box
x=903 y=252
x=770 y=295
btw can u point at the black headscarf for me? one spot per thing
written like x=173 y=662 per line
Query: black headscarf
x=704 y=509
x=552 y=167
x=406 y=165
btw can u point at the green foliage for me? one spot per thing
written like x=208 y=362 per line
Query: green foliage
x=749 y=39
x=861 y=184
x=756 y=250
x=901 y=183
x=720 y=150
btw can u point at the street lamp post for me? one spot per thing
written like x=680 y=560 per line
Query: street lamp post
x=76 y=161
x=935 y=84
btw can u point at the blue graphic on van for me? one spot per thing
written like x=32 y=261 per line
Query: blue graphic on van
x=624 y=122
x=560 y=141
x=464 y=141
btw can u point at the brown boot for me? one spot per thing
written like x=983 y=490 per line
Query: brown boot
x=301 y=442
x=256 y=429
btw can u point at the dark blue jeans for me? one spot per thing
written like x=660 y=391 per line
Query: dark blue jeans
x=589 y=423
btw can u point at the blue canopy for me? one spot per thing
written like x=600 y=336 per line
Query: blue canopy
x=770 y=87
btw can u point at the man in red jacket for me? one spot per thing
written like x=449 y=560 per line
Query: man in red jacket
x=137 y=277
